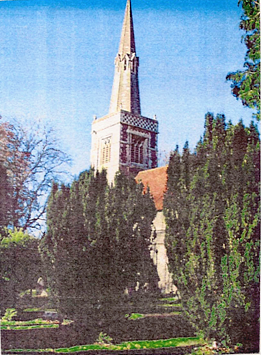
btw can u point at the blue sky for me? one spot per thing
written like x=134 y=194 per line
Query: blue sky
x=57 y=65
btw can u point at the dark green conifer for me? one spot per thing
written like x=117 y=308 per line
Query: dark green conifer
x=214 y=255
x=97 y=244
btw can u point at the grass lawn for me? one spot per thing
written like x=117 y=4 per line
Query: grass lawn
x=28 y=292
x=39 y=309
x=36 y=326
x=169 y=299
x=154 y=314
x=32 y=310
x=177 y=305
x=31 y=324
x=134 y=316
x=128 y=345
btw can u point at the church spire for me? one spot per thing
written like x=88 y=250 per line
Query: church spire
x=125 y=90
x=127 y=43
x=124 y=140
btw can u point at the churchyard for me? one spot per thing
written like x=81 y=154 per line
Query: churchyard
x=151 y=323
x=101 y=245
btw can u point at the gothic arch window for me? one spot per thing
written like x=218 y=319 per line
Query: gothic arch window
x=137 y=149
x=106 y=150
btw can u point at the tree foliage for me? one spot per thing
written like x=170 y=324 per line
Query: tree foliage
x=20 y=265
x=5 y=198
x=212 y=236
x=97 y=243
x=30 y=159
x=246 y=83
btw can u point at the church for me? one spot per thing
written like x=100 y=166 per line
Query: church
x=127 y=141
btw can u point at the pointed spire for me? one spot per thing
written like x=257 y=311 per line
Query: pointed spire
x=125 y=91
x=127 y=43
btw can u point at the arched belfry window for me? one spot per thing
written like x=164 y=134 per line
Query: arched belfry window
x=106 y=150
x=137 y=149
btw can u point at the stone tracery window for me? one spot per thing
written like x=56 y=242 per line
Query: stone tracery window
x=106 y=150
x=137 y=149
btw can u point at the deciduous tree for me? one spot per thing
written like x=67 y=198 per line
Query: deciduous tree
x=31 y=158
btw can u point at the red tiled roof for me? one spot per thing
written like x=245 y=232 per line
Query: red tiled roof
x=156 y=180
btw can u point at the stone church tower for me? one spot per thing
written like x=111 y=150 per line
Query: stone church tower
x=127 y=141
x=124 y=139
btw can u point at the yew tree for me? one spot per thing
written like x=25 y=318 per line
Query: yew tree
x=97 y=244
x=212 y=235
x=20 y=265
